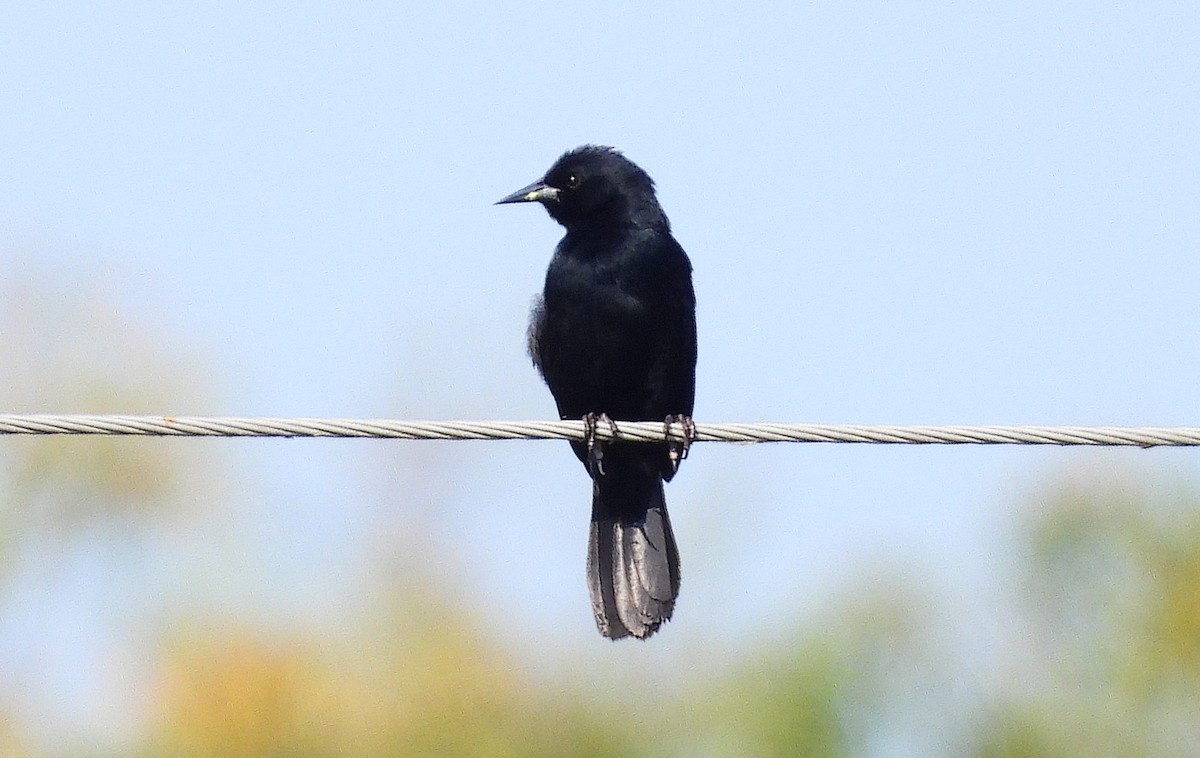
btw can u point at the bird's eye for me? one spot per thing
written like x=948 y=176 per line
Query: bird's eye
x=572 y=181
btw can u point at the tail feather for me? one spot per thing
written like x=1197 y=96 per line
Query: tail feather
x=633 y=563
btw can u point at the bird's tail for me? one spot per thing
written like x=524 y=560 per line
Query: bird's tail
x=632 y=563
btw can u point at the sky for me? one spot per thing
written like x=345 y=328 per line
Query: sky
x=897 y=213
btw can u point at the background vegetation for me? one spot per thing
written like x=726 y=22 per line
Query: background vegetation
x=129 y=555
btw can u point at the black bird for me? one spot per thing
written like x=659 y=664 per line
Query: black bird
x=614 y=336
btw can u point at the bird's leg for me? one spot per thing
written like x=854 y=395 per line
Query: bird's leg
x=595 y=449
x=678 y=450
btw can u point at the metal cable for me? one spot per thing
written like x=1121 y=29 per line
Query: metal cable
x=639 y=431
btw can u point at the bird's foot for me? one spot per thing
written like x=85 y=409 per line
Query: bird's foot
x=595 y=449
x=678 y=449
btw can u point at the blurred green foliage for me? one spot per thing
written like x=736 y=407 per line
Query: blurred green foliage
x=69 y=347
x=1111 y=601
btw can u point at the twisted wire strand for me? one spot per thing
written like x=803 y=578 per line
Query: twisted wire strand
x=631 y=431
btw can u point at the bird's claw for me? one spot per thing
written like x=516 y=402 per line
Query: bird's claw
x=677 y=450
x=595 y=450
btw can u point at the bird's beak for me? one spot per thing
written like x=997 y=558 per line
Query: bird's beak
x=536 y=192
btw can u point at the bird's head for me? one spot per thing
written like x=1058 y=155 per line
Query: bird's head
x=594 y=186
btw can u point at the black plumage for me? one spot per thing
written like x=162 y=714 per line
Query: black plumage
x=614 y=336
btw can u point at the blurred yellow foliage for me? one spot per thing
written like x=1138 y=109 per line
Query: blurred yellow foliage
x=444 y=691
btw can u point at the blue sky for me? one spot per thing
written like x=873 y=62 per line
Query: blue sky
x=896 y=212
